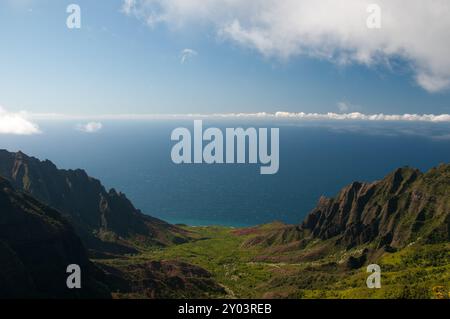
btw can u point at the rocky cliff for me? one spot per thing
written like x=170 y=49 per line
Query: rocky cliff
x=404 y=207
x=106 y=220
x=36 y=246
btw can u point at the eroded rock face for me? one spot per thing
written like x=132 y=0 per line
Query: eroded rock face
x=36 y=246
x=383 y=216
x=399 y=209
x=105 y=220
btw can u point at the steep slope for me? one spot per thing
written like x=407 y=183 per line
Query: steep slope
x=106 y=220
x=160 y=279
x=404 y=207
x=401 y=208
x=36 y=246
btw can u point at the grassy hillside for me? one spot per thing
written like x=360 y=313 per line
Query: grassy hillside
x=418 y=271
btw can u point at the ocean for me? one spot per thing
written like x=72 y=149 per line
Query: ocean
x=316 y=158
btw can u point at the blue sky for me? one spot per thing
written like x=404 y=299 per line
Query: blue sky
x=118 y=63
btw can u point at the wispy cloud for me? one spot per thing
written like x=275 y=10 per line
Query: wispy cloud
x=91 y=127
x=355 y=116
x=17 y=123
x=128 y=6
x=323 y=29
x=187 y=54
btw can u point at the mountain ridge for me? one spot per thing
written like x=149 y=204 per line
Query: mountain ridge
x=400 y=222
x=107 y=221
x=386 y=215
x=37 y=244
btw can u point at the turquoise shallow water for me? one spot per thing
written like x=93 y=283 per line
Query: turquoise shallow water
x=316 y=158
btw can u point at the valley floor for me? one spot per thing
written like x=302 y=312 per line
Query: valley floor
x=417 y=271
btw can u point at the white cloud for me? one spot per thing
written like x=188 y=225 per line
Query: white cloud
x=91 y=127
x=433 y=83
x=354 y=116
x=416 y=30
x=366 y=117
x=16 y=123
x=187 y=54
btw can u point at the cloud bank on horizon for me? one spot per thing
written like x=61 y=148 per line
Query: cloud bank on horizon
x=17 y=123
x=416 y=31
x=92 y=127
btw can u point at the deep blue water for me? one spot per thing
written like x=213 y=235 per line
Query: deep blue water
x=315 y=159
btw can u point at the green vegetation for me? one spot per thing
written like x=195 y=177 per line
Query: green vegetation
x=401 y=223
x=418 y=271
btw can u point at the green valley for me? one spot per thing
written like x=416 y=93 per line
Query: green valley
x=400 y=223
x=418 y=271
